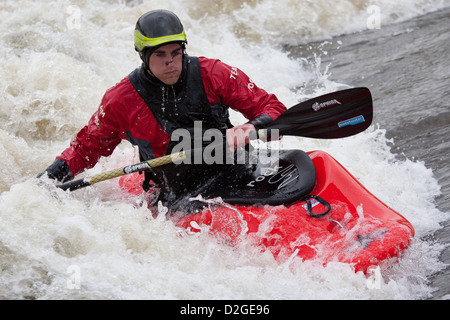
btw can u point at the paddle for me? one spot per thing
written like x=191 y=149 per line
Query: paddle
x=335 y=115
x=331 y=116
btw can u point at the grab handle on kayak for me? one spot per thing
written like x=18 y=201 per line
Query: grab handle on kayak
x=320 y=200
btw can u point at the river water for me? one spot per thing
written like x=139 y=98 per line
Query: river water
x=58 y=58
x=406 y=65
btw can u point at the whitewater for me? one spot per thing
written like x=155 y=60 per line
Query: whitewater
x=57 y=60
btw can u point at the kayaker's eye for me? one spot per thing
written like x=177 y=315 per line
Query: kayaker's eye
x=176 y=53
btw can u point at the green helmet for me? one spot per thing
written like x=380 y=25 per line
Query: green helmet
x=157 y=28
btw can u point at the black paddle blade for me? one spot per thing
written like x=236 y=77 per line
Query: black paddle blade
x=335 y=115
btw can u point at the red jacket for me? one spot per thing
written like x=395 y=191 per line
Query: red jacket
x=123 y=112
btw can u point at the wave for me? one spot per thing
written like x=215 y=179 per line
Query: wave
x=293 y=22
x=59 y=57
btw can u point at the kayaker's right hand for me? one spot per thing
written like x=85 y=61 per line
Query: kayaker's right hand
x=239 y=136
x=58 y=170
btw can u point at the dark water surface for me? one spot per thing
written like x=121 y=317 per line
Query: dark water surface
x=407 y=68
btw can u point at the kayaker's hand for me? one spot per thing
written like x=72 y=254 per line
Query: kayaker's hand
x=239 y=136
x=58 y=170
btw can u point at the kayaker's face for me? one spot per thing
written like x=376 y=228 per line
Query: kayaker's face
x=166 y=63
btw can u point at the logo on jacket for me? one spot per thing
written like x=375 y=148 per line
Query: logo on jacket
x=317 y=106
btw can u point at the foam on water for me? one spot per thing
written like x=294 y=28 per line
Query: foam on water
x=58 y=58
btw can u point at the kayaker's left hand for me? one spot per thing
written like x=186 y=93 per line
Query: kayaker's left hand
x=239 y=136
x=58 y=170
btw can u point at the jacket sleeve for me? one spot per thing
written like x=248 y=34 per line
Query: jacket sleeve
x=236 y=90
x=97 y=139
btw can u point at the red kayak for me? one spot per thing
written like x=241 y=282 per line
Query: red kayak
x=306 y=205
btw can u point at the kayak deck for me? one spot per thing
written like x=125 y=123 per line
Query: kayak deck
x=359 y=229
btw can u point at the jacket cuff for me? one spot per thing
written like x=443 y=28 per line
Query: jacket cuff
x=261 y=121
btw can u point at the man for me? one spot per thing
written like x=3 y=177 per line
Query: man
x=170 y=91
